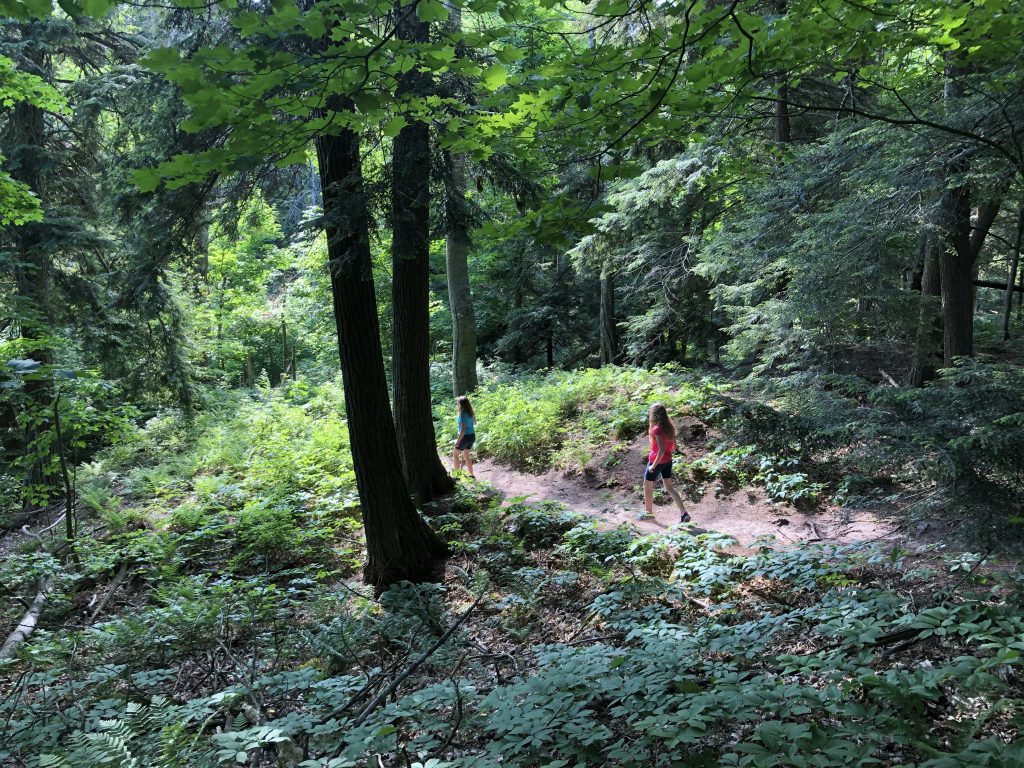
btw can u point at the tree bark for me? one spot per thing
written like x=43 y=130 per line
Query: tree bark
x=1011 y=276
x=460 y=297
x=957 y=268
x=956 y=275
x=399 y=544
x=28 y=160
x=410 y=249
x=927 y=356
x=457 y=239
x=609 y=338
x=783 y=126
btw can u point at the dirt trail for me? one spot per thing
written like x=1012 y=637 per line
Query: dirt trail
x=745 y=514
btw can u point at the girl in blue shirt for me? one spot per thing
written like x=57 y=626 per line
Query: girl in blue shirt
x=467 y=435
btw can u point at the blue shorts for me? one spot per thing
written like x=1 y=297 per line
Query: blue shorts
x=466 y=442
x=658 y=471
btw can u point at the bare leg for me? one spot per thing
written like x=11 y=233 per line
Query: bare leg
x=456 y=464
x=670 y=489
x=649 y=497
x=467 y=456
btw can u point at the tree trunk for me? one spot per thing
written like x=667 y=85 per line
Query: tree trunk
x=28 y=161
x=609 y=340
x=783 y=127
x=460 y=298
x=1011 y=276
x=410 y=248
x=957 y=268
x=285 y=358
x=399 y=544
x=927 y=357
x=457 y=240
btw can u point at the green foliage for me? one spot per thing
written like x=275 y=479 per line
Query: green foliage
x=523 y=421
x=539 y=525
x=956 y=442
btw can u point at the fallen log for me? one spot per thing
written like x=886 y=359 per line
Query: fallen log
x=28 y=621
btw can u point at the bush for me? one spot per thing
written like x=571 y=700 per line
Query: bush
x=540 y=525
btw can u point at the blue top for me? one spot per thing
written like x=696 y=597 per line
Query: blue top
x=469 y=422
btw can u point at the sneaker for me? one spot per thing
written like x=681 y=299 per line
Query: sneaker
x=685 y=517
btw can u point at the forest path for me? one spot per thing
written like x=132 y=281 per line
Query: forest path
x=744 y=514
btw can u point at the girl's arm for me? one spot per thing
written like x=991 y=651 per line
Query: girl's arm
x=660 y=458
x=462 y=429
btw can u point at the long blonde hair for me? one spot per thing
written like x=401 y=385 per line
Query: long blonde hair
x=658 y=416
x=464 y=406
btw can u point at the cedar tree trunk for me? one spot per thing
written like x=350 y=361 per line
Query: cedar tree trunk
x=410 y=248
x=1011 y=276
x=399 y=544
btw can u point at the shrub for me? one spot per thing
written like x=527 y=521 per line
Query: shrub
x=542 y=524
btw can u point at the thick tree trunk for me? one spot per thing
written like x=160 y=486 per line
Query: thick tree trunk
x=927 y=355
x=28 y=161
x=957 y=268
x=410 y=248
x=460 y=298
x=399 y=544
x=1011 y=276
x=609 y=338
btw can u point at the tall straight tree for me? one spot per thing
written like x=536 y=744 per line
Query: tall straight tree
x=410 y=248
x=460 y=296
x=400 y=546
x=457 y=240
x=29 y=164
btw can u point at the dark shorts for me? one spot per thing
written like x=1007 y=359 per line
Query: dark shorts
x=466 y=442
x=659 y=471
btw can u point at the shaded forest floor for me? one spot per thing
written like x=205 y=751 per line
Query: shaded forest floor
x=214 y=614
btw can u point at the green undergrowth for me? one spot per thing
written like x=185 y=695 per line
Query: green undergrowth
x=534 y=421
x=953 y=447
x=254 y=483
x=587 y=647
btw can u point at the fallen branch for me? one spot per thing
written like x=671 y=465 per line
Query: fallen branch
x=118 y=579
x=47 y=529
x=28 y=622
x=393 y=686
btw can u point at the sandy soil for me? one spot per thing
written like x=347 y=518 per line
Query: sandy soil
x=744 y=514
x=609 y=488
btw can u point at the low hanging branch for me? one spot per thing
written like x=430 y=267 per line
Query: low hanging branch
x=28 y=622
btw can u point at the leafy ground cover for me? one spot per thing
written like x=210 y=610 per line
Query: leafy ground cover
x=211 y=616
x=571 y=646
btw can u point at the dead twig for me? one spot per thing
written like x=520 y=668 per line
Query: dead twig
x=393 y=686
x=118 y=580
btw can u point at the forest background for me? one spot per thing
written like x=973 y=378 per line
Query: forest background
x=799 y=222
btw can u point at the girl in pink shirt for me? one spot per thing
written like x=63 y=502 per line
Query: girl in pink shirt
x=659 y=461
